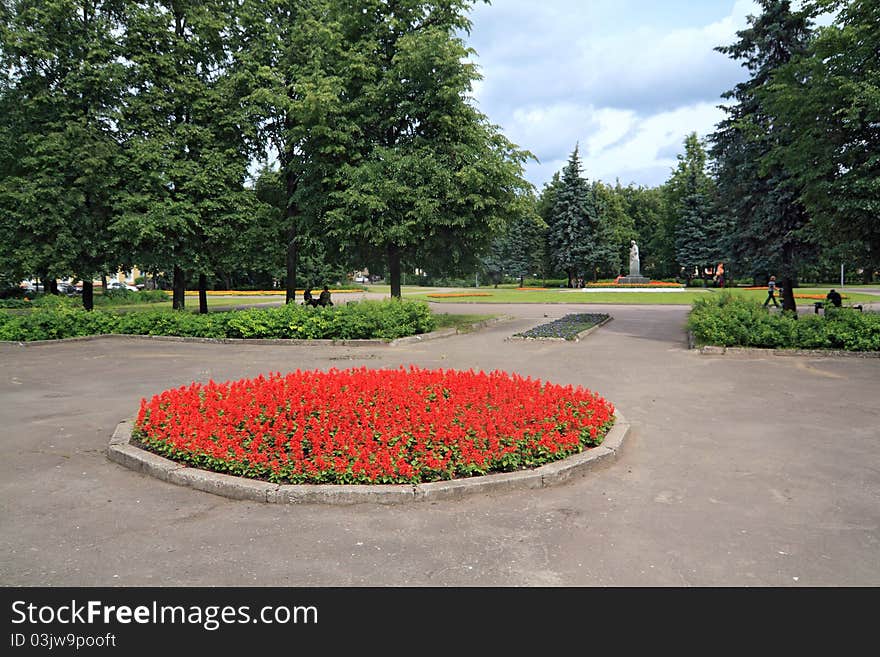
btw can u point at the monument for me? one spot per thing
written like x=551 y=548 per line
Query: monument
x=635 y=275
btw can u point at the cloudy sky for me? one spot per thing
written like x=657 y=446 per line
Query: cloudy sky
x=626 y=79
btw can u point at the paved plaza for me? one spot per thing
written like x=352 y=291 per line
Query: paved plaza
x=738 y=471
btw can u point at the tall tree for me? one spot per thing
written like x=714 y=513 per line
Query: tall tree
x=183 y=137
x=826 y=103
x=616 y=225
x=697 y=241
x=698 y=230
x=577 y=240
x=767 y=218
x=545 y=204
x=61 y=84
x=425 y=178
x=289 y=57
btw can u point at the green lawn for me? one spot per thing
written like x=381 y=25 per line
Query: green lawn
x=686 y=298
x=462 y=323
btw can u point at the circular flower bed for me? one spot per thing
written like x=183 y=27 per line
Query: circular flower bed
x=372 y=426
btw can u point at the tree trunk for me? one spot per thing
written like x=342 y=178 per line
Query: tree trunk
x=103 y=283
x=394 y=270
x=203 y=295
x=88 y=294
x=53 y=287
x=179 y=289
x=290 y=216
x=290 y=279
x=789 y=279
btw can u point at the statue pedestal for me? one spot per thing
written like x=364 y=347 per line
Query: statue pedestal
x=633 y=280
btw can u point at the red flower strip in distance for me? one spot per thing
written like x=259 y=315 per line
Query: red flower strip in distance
x=369 y=426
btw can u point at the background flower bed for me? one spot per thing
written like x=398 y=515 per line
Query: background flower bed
x=451 y=295
x=566 y=328
x=372 y=426
x=387 y=319
x=612 y=284
x=729 y=321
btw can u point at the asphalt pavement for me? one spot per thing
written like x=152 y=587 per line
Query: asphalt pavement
x=753 y=470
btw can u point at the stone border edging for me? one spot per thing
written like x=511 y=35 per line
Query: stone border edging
x=577 y=338
x=375 y=342
x=121 y=451
x=715 y=350
x=757 y=351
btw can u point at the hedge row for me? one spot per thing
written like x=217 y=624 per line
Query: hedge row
x=111 y=298
x=387 y=319
x=729 y=321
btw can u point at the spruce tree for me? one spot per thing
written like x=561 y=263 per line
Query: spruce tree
x=766 y=216
x=577 y=240
x=698 y=229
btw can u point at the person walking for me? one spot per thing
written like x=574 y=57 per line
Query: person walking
x=771 y=292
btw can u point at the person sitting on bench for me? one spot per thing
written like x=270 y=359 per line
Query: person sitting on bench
x=834 y=298
x=324 y=299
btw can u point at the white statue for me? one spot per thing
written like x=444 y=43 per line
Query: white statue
x=634 y=259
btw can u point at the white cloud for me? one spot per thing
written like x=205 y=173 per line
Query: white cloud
x=627 y=79
x=614 y=144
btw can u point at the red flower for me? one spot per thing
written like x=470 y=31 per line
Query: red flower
x=368 y=426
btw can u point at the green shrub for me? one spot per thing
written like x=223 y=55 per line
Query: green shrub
x=545 y=282
x=729 y=321
x=387 y=319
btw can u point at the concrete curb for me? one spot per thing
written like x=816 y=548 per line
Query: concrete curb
x=121 y=451
x=756 y=352
x=577 y=338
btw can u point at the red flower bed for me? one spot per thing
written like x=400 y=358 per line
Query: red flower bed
x=372 y=426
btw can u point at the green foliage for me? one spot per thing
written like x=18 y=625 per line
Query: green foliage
x=60 y=84
x=769 y=228
x=545 y=282
x=398 y=159
x=578 y=240
x=645 y=206
x=518 y=250
x=387 y=319
x=826 y=103
x=617 y=226
x=731 y=321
